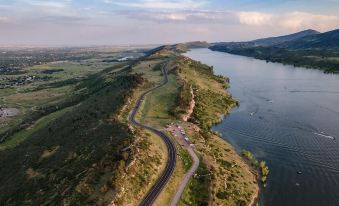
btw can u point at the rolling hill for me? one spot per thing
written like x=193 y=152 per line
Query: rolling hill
x=307 y=48
x=327 y=40
x=271 y=41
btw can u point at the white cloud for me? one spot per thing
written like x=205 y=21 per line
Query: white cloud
x=146 y=21
x=3 y=19
x=160 y=4
x=293 y=21
x=290 y=21
x=302 y=20
x=46 y=3
x=184 y=16
x=254 y=18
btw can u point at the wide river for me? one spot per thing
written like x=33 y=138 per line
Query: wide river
x=288 y=117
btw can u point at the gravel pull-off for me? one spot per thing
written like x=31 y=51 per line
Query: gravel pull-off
x=8 y=112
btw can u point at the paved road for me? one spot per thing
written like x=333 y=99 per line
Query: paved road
x=176 y=131
x=187 y=177
x=170 y=165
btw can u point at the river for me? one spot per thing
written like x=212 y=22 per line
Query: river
x=288 y=117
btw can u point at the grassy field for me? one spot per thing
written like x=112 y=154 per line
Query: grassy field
x=20 y=136
x=27 y=97
x=53 y=83
x=197 y=191
x=158 y=109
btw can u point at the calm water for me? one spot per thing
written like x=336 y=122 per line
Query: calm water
x=288 y=117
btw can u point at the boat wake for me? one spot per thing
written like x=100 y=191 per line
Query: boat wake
x=324 y=135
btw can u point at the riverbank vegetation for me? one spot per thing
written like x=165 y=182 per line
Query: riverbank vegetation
x=211 y=100
x=230 y=181
x=222 y=174
x=260 y=166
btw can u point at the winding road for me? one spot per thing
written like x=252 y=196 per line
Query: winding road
x=161 y=182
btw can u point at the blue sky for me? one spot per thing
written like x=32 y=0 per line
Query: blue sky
x=107 y=22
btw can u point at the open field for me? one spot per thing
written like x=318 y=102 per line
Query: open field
x=48 y=85
x=20 y=136
x=158 y=109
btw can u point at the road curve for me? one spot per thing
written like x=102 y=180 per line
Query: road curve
x=170 y=165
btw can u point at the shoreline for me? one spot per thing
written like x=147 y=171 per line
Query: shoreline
x=221 y=112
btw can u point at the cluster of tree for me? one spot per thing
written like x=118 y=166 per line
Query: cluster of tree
x=184 y=99
x=261 y=166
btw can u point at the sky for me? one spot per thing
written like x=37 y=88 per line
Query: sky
x=124 y=22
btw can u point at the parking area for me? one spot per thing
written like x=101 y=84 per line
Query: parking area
x=179 y=133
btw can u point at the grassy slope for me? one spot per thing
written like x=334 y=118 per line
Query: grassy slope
x=211 y=102
x=224 y=175
x=31 y=97
x=209 y=90
x=156 y=111
x=159 y=106
x=84 y=167
x=75 y=155
x=151 y=155
x=230 y=182
x=20 y=136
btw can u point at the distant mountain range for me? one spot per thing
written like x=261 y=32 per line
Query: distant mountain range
x=307 y=48
x=181 y=47
x=271 y=41
x=327 y=40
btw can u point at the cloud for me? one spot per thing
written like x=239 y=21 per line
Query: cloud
x=160 y=4
x=183 y=16
x=146 y=21
x=46 y=3
x=301 y=20
x=3 y=19
x=291 y=21
x=294 y=21
x=254 y=18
